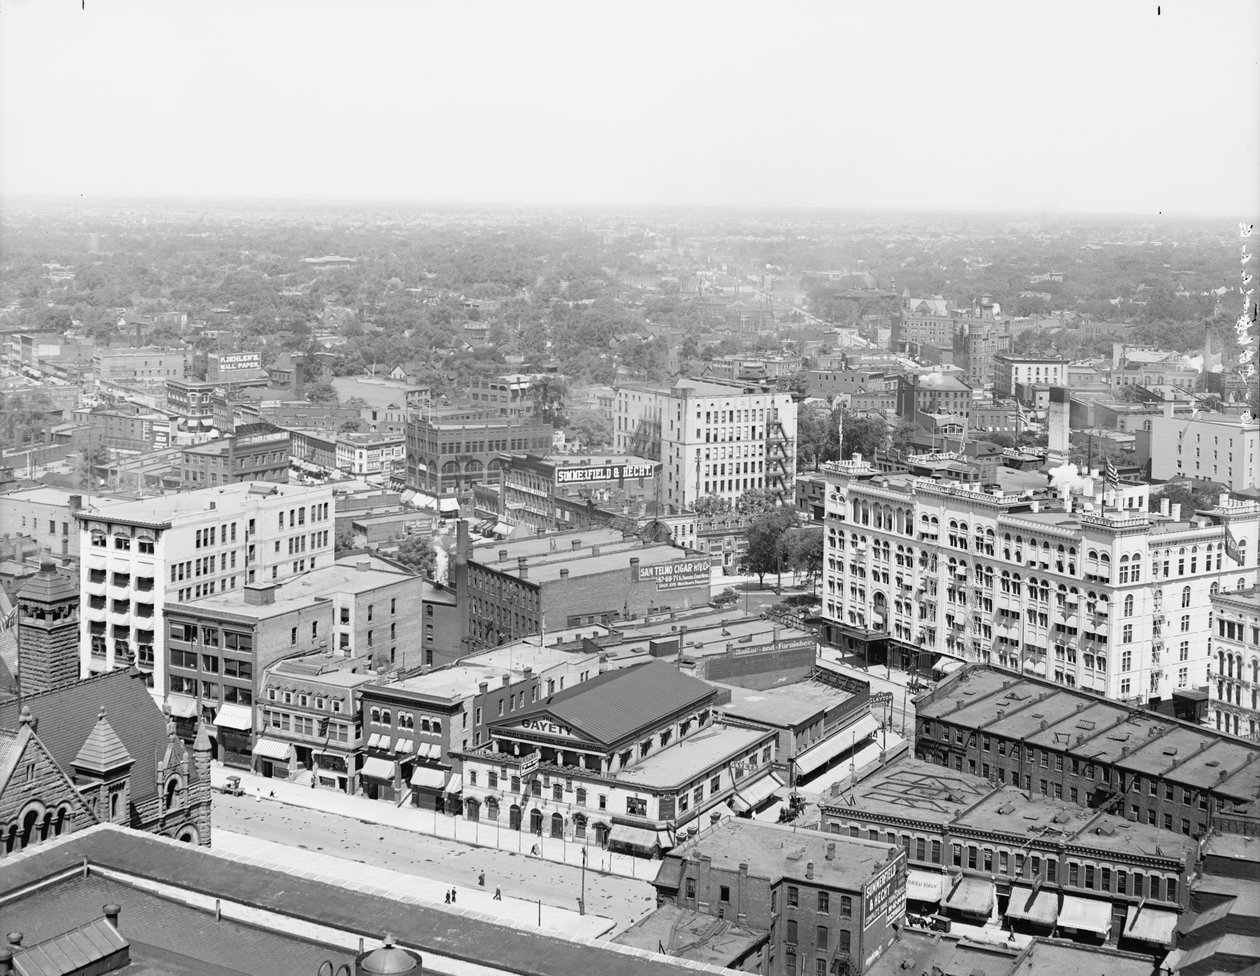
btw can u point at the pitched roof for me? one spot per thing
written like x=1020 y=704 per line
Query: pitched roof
x=67 y=715
x=102 y=751
x=49 y=585
x=618 y=704
x=72 y=951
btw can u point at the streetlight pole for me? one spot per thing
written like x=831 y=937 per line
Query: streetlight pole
x=582 y=899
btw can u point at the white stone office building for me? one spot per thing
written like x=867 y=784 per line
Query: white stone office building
x=136 y=557
x=1116 y=601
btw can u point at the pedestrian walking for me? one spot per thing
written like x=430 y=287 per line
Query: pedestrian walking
x=498 y=894
x=452 y=896
x=481 y=879
x=448 y=897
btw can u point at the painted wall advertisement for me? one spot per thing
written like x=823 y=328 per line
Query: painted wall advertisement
x=603 y=472
x=678 y=574
x=885 y=894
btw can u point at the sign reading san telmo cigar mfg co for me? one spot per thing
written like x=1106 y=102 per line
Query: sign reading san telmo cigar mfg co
x=604 y=472
x=678 y=574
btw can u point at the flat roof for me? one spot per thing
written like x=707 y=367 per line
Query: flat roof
x=60 y=497
x=920 y=790
x=527 y=653
x=299 y=591
x=917 y=951
x=781 y=851
x=169 y=508
x=691 y=756
x=686 y=934
x=786 y=705
x=450 y=683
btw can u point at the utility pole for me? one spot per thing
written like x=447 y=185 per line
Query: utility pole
x=582 y=899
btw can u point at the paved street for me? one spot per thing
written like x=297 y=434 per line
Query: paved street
x=442 y=861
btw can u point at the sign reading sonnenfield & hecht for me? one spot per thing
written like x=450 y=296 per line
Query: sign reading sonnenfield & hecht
x=678 y=574
x=604 y=472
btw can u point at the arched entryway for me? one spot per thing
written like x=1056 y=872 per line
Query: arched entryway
x=536 y=822
x=579 y=826
x=472 y=809
x=601 y=833
x=188 y=835
x=557 y=825
x=514 y=817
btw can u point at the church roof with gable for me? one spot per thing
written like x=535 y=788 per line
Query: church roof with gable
x=102 y=751
x=67 y=716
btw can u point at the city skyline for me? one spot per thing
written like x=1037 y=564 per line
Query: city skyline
x=987 y=108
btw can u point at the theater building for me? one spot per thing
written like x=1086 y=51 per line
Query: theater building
x=630 y=759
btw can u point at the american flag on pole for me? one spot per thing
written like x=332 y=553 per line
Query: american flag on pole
x=1113 y=476
x=1231 y=546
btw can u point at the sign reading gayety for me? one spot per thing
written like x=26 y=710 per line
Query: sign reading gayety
x=678 y=574
x=603 y=472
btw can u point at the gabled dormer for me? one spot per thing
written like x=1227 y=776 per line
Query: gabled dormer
x=102 y=767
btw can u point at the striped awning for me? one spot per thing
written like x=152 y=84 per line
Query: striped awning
x=376 y=768
x=1085 y=915
x=924 y=886
x=272 y=749
x=1042 y=909
x=182 y=706
x=237 y=717
x=403 y=745
x=428 y=778
x=1150 y=925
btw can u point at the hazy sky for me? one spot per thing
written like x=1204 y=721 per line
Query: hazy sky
x=1048 y=105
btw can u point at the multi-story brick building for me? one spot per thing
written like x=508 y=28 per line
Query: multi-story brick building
x=1085 y=587
x=1234 y=689
x=833 y=904
x=1011 y=371
x=972 y=336
x=712 y=438
x=1071 y=745
x=450 y=450
x=139 y=556
x=310 y=721
x=535 y=488
x=45 y=515
x=978 y=850
x=148 y=365
x=418 y=725
x=219 y=647
x=256 y=453
x=518 y=588
x=932 y=393
x=1210 y=447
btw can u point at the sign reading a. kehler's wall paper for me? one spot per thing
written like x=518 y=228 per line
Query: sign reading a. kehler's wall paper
x=678 y=574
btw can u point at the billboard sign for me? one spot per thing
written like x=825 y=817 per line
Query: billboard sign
x=605 y=472
x=238 y=360
x=529 y=765
x=883 y=894
x=679 y=573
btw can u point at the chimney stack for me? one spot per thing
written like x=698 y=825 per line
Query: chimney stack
x=831 y=851
x=809 y=870
x=111 y=914
x=363 y=565
x=503 y=554
x=564 y=574
x=594 y=550
x=576 y=544
x=634 y=569
x=522 y=570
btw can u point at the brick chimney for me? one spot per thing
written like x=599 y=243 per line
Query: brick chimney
x=634 y=569
x=522 y=568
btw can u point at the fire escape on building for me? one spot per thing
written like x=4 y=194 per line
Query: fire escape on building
x=780 y=452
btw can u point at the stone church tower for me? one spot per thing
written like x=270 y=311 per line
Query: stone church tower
x=47 y=630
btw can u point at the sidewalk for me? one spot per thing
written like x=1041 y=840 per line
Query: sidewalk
x=474 y=902
x=407 y=817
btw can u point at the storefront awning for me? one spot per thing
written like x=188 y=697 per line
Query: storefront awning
x=446 y=505
x=403 y=745
x=971 y=896
x=377 y=768
x=234 y=717
x=428 y=778
x=821 y=753
x=377 y=741
x=635 y=836
x=1042 y=909
x=1085 y=915
x=273 y=749
x=455 y=784
x=182 y=706
x=755 y=794
x=1150 y=925
x=924 y=886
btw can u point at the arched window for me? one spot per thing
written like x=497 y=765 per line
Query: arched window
x=1128 y=605
x=172 y=792
x=1185 y=596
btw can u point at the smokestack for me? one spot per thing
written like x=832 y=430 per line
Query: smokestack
x=296 y=381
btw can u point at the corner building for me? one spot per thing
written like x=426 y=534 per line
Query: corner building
x=137 y=557
x=1087 y=589
x=711 y=438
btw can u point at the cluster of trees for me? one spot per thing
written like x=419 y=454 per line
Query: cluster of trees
x=818 y=436
x=777 y=542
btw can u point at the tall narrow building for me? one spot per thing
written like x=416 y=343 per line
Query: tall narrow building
x=47 y=630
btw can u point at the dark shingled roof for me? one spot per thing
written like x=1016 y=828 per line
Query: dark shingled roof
x=67 y=716
x=618 y=704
